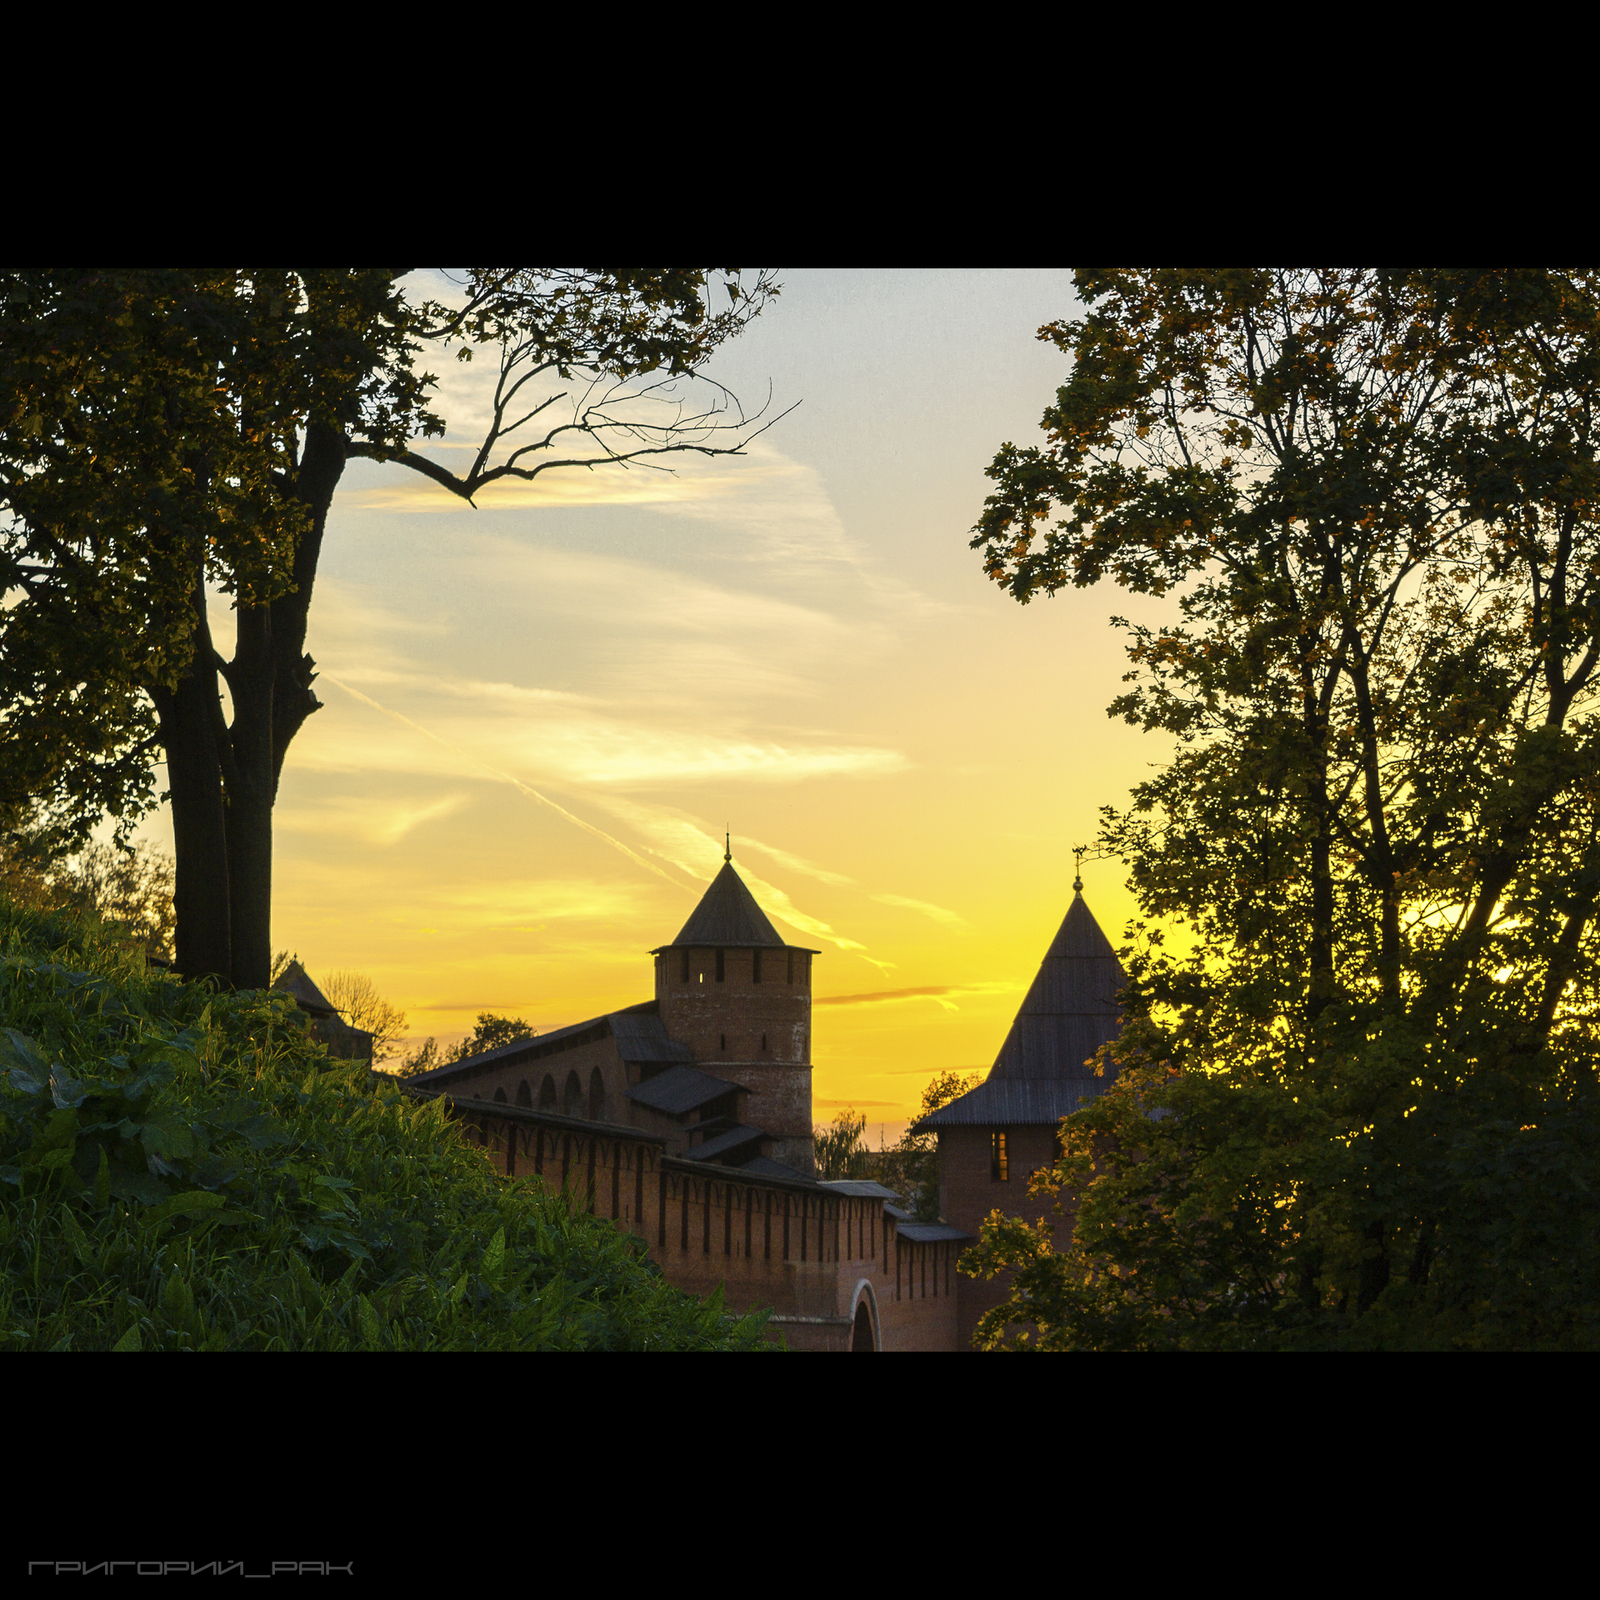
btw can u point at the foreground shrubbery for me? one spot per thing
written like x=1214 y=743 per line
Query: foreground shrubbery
x=185 y=1171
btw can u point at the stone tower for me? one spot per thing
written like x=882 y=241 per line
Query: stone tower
x=992 y=1138
x=740 y=998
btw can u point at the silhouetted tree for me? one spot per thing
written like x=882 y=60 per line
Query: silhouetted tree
x=162 y=430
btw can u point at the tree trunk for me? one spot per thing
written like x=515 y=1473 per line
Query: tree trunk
x=250 y=795
x=224 y=779
x=191 y=731
x=270 y=678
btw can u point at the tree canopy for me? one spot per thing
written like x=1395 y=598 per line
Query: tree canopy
x=166 y=430
x=1362 y=1108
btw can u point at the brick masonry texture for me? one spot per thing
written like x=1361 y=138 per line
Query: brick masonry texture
x=811 y=1254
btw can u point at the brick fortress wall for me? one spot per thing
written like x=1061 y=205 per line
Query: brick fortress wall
x=968 y=1192
x=812 y=1256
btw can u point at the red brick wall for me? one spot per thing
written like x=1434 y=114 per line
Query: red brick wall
x=581 y=1058
x=702 y=1012
x=799 y=1251
x=757 y=1035
x=967 y=1194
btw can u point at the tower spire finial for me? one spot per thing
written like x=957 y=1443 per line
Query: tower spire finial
x=727 y=848
x=1077 y=879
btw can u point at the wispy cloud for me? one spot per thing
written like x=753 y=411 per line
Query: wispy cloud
x=793 y=862
x=679 y=839
x=504 y=777
x=880 y=997
x=937 y=992
x=541 y=900
x=667 y=735
x=785 y=517
x=950 y=919
x=375 y=821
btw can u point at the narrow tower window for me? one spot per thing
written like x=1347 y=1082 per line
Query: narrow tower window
x=998 y=1169
x=791 y=966
x=755 y=967
x=763 y=1041
x=724 y=1041
x=721 y=972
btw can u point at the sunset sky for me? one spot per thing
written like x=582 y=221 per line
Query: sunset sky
x=796 y=645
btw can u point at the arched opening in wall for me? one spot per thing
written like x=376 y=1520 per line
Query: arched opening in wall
x=500 y=1096
x=547 y=1094
x=597 y=1097
x=524 y=1094
x=572 y=1097
x=864 y=1334
x=861 y=1338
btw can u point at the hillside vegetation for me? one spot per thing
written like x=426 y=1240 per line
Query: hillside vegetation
x=183 y=1170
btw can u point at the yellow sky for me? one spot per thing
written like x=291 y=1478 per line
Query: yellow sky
x=541 y=714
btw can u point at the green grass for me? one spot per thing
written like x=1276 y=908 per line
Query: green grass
x=181 y=1170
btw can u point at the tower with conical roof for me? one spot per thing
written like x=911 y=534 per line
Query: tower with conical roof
x=994 y=1137
x=740 y=998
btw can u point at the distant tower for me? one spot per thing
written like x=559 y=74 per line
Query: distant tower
x=993 y=1137
x=740 y=998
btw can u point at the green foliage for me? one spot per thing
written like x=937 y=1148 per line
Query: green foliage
x=129 y=889
x=180 y=1170
x=911 y=1168
x=1363 y=1108
x=840 y=1150
x=491 y=1032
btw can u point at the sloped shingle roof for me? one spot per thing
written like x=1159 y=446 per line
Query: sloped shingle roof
x=1017 y=1103
x=727 y=916
x=731 y=1139
x=1071 y=1008
x=638 y=1031
x=680 y=1090
x=295 y=980
x=1042 y=1071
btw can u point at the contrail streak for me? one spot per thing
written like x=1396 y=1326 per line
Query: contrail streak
x=504 y=777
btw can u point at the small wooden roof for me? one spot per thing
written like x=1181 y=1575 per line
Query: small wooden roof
x=296 y=981
x=728 y=918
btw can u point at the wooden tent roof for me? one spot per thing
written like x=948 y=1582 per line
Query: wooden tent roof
x=1071 y=1009
x=1043 y=1070
x=728 y=917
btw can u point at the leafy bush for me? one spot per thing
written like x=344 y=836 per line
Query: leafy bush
x=187 y=1171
